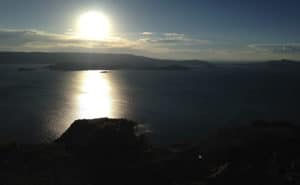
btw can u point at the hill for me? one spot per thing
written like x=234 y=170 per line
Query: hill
x=112 y=151
x=89 y=61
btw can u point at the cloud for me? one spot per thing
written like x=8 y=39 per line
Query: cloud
x=178 y=35
x=287 y=48
x=174 y=39
x=20 y=37
x=160 y=41
x=147 y=33
x=35 y=40
x=147 y=43
x=159 y=45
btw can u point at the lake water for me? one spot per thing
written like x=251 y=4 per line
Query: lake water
x=38 y=106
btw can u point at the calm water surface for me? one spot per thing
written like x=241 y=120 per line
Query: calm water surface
x=38 y=106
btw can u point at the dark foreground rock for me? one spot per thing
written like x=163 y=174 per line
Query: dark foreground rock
x=107 y=141
x=111 y=151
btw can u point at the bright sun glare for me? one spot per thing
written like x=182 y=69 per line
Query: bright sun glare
x=95 y=99
x=94 y=25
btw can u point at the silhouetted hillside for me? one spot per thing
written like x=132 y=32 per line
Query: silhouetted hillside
x=86 y=61
x=97 y=61
x=275 y=64
x=112 y=152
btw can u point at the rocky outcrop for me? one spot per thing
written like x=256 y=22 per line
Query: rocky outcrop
x=100 y=132
x=107 y=140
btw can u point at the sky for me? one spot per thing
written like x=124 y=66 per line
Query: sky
x=217 y=30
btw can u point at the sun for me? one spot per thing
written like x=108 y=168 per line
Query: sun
x=94 y=25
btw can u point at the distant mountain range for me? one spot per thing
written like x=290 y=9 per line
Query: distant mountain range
x=90 y=61
x=272 y=65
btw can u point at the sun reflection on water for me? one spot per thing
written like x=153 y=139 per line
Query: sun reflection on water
x=95 y=99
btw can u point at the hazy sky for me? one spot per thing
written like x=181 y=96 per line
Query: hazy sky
x=189 y=29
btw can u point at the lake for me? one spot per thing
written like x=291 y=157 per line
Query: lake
x=175 y=106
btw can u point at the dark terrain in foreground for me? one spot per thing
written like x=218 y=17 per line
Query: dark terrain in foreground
x=115 y=151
